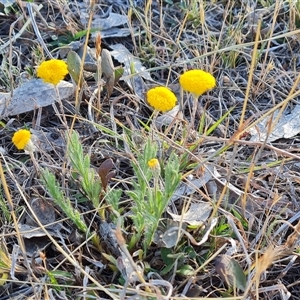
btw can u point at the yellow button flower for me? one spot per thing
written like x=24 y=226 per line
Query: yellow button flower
x=161 y=98
x=153 y=163
x=21 y=139
x=52 y=71
x=197 y=82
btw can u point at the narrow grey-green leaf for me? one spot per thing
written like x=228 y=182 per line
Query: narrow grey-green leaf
x=108 y=70
x=74 y=63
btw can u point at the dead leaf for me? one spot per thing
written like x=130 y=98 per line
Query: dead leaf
x=35 y=245
x=286 y=127
x=165 y=238
x=28 y=231
x=196 y=215
x=206 y=234
x=109 y=27
x=131 y=65
x=113 y=20
x=115 y=32
x=167 y=118
x=230 y=272
x=7 y=3
x=192 y=184
x=122 y=55
x=31 y=95
x=105 y=172
x=43 y=211
x=48 y=141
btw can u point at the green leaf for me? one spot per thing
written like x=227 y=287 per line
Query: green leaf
x=172 y=175
x=78 y=35
x=61 y=201
x=74 y=64
x=89 y=179
x=108 y=70
x=185 y=270
x=165 y=252
x=118 y=74
x=190 y=251
x=169 y=261
x=215 y=125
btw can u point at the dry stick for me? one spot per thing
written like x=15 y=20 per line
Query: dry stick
x=123 y=247
x=10 y=55
x=287 y=224
x=295 y=85
x=270 y=255
x=181 y=29
x=194 y=110
x=36 y=29
x=148 y=24
x=16 y=36
x=226 y=141
x=276 y=11
x=12 y=212
x=77 y=104
x=270 y=129
x=235 y=137
x=251 y=72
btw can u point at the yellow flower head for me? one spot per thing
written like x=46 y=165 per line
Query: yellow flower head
x=197 y=82
x=52 y=71
x=153 y=163
x=21 y=139
x=161 y=98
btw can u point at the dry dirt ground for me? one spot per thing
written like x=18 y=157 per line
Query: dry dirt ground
x=231 y=228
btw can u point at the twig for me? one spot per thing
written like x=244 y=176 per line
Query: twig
x=35 y=27
x=15 y=37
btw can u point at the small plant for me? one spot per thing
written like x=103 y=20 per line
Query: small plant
x=152 y=190
x=53 y=188
x=81 y=170
x=81 y=167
